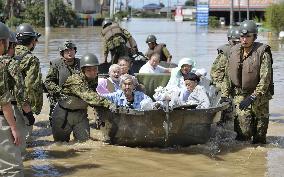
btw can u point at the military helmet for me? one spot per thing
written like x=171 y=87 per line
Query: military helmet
x=67 y=45
x=26 y=30
x=229 y=33
x=4 y=31
x=12 y=37
x=151 y=38
x=106 y=23
x=236 y=33
x=248 y=26
x=89 y=59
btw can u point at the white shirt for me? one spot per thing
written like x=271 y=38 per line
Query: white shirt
x=147 y=68
x=198 y=96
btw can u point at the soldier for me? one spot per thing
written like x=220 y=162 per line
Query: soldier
x=60 y=69
x=249 y=82
x=70 y=114
x=16 y=86
x=161 y=49
x=218 y=67
x=10 y=156
x=116 y=40
x=30 y=68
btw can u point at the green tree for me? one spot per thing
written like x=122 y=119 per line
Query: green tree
x=189 y=3
x=213 y=22
x=274 y=17
x=34 y=14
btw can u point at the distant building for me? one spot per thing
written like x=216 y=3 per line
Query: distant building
x=221 y=8
x=154 y=8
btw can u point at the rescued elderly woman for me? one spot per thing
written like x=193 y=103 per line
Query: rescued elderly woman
x=194 y=94
x=129 y=97
x=110 y=84
x=185 y=66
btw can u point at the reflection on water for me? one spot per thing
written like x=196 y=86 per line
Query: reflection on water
x=221 y=156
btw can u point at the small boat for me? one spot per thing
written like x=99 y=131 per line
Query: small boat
x=159 y=128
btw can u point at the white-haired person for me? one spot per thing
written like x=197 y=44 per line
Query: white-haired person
x=110 y=84
x=194 y=94
x=185 y=66
x=129 y=97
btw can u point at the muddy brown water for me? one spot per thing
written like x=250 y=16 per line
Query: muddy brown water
x=221 y=156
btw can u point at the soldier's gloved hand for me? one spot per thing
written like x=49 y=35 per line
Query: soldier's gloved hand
x=246 y=102
x=30 y=117
x=224 y=99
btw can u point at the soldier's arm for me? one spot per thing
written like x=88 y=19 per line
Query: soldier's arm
x=131 y=40
x=167 y=54
x=218 y=69
x=105 y=50
x=77 y=87
x=15 y=73
x=265 y=76
x=33 y=85
x=51 y=81
x=226 y=84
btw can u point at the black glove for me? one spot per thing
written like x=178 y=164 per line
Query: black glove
x=224 y=99
x=246 y=102
x=30 y=117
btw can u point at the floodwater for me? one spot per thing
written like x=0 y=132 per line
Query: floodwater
x=221 y=156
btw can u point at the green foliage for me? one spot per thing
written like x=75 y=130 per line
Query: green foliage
x=189 y=3
x=1 y=6
x=60 y=15
x=34 y=14
x=213 y=22
x=14 y=21
x=274 y=17
x=120 y=15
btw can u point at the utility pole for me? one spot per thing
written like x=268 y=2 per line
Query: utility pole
x=239 y=1
x=248 y=10
x=111 y=9
x=232 y=13
x=169 y=9
x=46 y=14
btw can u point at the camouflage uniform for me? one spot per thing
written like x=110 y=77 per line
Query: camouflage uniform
x=251 y=122
x=57 y=74
x=16 y=86
x=70 y=114
x=117 y=45
x=30 y=68
x=10 y=156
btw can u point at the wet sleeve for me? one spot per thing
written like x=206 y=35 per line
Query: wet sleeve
x=126 y=34
x=79 y=88
x=265 y=75
x=15 y=73
x=51 y=81
x=33 y=85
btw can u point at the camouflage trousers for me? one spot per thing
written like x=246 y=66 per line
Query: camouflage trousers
x=252 y=122
x=118 y=52
x=10 y=155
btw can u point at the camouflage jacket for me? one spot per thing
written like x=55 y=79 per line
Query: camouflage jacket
x=5 y=95
x=117 y=41
x=218 y=70
x=30 y=68
x=57 y=75
x=15 y=79
x=77 y=85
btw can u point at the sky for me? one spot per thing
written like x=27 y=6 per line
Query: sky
x=140 y=3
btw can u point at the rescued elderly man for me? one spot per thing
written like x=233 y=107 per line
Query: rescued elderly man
x=152 y=66
x=111 y=84
x=128 y=97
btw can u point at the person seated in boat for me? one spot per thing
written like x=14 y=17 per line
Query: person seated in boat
x=129 y=97
x=152 y=66
x=194 y=94
x=185 y=66
x=77 y=93
x=111 y=84
x=125 y=64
